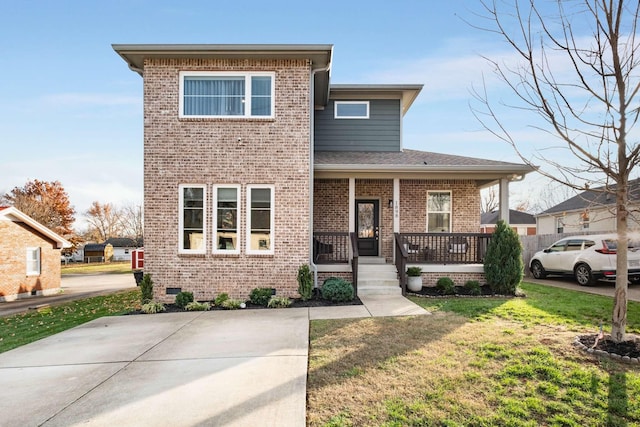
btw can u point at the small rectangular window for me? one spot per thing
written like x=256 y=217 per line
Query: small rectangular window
x=192 y=219
x=351 y=110
x=438 y=212
x=559 y=225
x=260 y=219
x=33 y=261
x=216 y=94
x=226 y=216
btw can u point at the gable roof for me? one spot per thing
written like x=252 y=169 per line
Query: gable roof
x=423 y=164
x=122 y=242
x=590 y=199
x=515 y=218
x=9 y=213
x=319 y=54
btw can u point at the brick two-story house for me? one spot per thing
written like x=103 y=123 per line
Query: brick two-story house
x=254 y=164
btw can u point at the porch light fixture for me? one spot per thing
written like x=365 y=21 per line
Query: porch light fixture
x=391 y=203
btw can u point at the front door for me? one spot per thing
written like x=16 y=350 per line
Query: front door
x=367 y=226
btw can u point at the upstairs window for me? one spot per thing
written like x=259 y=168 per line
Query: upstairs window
x=192 y=219
x=438 y=212
x=351 y=110
x=226 y=94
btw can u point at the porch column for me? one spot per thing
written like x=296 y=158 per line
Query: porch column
x=352 y=204
x=504 y=200
x=396 y=211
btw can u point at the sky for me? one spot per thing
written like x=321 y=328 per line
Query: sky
x=71 y=110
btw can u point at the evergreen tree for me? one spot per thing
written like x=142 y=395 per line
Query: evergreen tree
x=503 y=265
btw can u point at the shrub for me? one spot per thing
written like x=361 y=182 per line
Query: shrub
x=260 y=296
x=503 y=265
x=473 y=287
x=220 y=299
x=197 y=306
x=445 y=286
x=231 y=304
x=153 y=307
x=146 y=289
x=183 y=298
x=279 y=302
x=305 y=282
x=337 y=290
x=414 y=271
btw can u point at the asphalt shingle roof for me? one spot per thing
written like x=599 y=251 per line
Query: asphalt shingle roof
x=595 y=197
x=401 y=158
x=515 y=217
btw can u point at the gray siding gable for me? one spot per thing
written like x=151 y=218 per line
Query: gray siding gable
x=380 y=132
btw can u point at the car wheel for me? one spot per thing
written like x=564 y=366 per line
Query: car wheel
x=537 y=270
x=634 y=280
x=583 y=275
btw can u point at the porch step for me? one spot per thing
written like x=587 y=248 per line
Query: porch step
x=378 y=279
x=371 y=260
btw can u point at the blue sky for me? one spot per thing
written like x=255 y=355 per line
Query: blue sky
x=71 y=110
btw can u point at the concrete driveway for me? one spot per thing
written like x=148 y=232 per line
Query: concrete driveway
x=231 y=368
x=600 y=288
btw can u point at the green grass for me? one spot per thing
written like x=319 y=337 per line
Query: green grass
x=474 y=362
x=21 y=329
x=97 y=268
x=542 y=305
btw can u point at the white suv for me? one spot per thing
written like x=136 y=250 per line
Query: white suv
x=587 y=258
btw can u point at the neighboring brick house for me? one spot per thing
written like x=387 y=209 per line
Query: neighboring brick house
x=29 y=256
x=523 y=223
x=254 y=165
x=592 y=211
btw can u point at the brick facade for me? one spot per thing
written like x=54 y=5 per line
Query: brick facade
x=222 y=151
x=15 y=238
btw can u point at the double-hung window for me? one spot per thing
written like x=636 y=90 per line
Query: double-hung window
x=225 y=217
x=226 y=94
x=438 y=211
x=260 y=219
x=192 y=238
x=33 y=261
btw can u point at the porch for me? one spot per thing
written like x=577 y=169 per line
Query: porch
x=459 y=254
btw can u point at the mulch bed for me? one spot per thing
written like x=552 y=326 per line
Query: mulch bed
x=315 y=301
x=629 y=348
x=432 y=291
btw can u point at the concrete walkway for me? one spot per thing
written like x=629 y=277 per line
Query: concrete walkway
x=218 y=368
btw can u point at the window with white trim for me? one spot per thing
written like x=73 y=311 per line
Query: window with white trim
x=226 y=94
x=192 y=238
x=351 y=110
x=438 y=211
x=33 y=261
x=260 y=219
x=225 y=217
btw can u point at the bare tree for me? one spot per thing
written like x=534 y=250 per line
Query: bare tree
x=104 y=221
x=584 y=89
x=131 y=217
x=490 y=200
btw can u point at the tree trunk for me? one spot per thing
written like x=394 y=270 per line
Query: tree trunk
x=619 y=316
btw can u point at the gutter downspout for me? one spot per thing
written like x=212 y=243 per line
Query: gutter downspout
x=313 y=72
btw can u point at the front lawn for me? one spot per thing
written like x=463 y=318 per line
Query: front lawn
x=474 y=362
x=97 y=268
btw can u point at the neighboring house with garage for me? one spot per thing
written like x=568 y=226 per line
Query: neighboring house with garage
x=255 y=164
x=29 y=256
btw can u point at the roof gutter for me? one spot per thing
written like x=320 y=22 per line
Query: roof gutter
x=516 y=169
